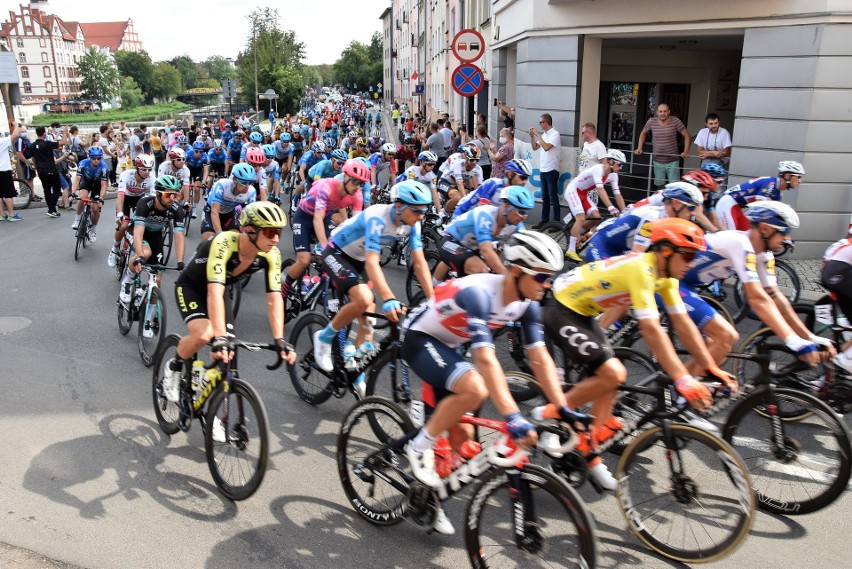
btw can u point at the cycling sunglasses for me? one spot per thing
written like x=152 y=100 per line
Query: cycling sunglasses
x=522 y=212
x=538 y=276
x=270 y=232
x=688 y=255
x=418 y=211
x=144 y=169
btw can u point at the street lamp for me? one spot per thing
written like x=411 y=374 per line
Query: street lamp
x=256 y=89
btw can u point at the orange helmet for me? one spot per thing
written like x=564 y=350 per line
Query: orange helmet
x=678 y=233
x=701 y=179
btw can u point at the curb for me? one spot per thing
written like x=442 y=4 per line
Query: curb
x=11 y=556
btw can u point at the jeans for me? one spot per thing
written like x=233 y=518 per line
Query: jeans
x=52 y=189
x=550 y=195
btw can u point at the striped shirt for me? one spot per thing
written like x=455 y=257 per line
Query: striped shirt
x=664 y=138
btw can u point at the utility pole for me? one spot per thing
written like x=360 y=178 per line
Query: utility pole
x=256 y=89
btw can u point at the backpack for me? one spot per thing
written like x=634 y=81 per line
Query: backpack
x=78 y=150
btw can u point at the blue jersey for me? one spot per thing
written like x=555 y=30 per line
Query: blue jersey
x=486 y=191
x=377 y=162
x=758 y=189
x=322 y=169
x=222 y=194
x=227 y=136
x=617 y=235
x=235 y=146
x=308 y=160
x=194 y=160
x=281 y=151
x=273 y=170
x=477 y=227
x=371 y=229
x=91 y=173
x=217 y=157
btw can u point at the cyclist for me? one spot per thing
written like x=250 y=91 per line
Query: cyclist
x=132 y=185
x=467 y=310
x=219 y=262
x=308 y=161
x=582 y=194
x=470 y=241
x=729 y=208
x=330 y=167
x=175 y=165
x=517 y=174
x=837 y=278
x=284 y=152
x=298 y=142
x=153 y=214
x=699 y=179
x=313 y=218
x=255 y=140
x=360 y=149
x=235 y=149
x=628 y=280
x=90 y=182
x=381 y=161
x=349 y=143
x=424 y=172
x=271 y=173
x=199 y=170
x=376 y=142
x=355 y=248
x=749 y=255
x=462 y=174
x=220 y=212
x=217 y=158
x=257 y=160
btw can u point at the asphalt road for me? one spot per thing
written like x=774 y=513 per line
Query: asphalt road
x=88 y=479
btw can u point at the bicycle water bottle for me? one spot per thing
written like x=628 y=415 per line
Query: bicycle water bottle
x=443 y=457
x=212 y=376
x=306 y=284
x=137 y=301
x=197 y=374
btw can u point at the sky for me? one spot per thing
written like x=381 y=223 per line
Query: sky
x=324 y=37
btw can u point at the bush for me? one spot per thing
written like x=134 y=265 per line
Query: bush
x=130 y=94
x=143 y=113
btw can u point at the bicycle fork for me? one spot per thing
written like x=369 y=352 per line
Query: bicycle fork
x=528 y=537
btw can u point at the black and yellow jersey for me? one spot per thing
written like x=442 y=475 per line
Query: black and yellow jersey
x=216 y=259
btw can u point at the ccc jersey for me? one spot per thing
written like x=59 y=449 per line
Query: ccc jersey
x=216 y=259
x=624 y=281
x=731 y=253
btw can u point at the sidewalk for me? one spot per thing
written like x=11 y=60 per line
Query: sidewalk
x=16 y=557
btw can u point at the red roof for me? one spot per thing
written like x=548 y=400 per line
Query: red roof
x=104 y=34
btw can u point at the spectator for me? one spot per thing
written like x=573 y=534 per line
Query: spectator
x=7 y=186
x=135 y=145
x=435 y=143
x=159 y=143
x=123 y=134
x=501 y=155
x=593 y=149
x=45 y=165
x=408 y=129
x=548 y=164
x=484 y=143
x=447 y=132
x=108 y=146
x=24 y=154
x=507 y=115
x=222 y=124
x=713 y=142
x=271 y=118
x=664 y=129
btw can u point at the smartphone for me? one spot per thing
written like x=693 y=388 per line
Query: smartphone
x=495 y=101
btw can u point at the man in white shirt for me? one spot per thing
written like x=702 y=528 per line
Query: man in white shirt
x=7 y=186
x=549 y=143
x=713 y=142
x=594 y=151
x=447 y=132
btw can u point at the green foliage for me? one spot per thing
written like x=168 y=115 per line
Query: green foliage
x=101 y=80
x=130 y=94
x=186 y=69
x=318 y=75
x=360 y=64
x=165 y=84
x=144 y=113
x=139 y=67
x=218 y=68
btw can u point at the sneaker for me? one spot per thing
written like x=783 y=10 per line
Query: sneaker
x=51 y=213
x=403 y=263
x=124 y=293
x=423 y=465
x=572 y=255
x=194 y=215
x=37 y=198
x=549 y=442
x=603 y=477
x=322 y=353
x=218 y=431
x=442 y=524
x=93 y=235
x=841 y=361
x=171 y=383
x=112 y=258
x=701 y=423
x=15 y=217
x=75 y=225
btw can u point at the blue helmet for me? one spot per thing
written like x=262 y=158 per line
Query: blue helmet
x=411 y=192
x=340 y=155
x=777 y=214
x=96 y=152
x=715 y=170
x=182 y=139
x=285 y=137
x=268 y=150
x=521 y=167
x=245 y=173
x=318 y=146
x=218 y=143
x=518 y=196
x=198 y=145
x=329 y=142
x=256 y=137
x=427 y=156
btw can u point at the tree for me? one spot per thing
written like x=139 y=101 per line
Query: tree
x=166 y=81
x=130 y=94
x=218 y=68
x=138 y=66
x=360 y=64
x=101 y=80
x=186 y=69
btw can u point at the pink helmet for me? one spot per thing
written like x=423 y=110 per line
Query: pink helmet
x=356 y=169
x=255 y=156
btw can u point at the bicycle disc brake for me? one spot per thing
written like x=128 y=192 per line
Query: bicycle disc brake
x=684 y=488
x=839 y=395
x=572 y=467
x=422 y=505
x=185 y=411
x=789 y=452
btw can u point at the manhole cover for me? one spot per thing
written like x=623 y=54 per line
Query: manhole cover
x=9 y=324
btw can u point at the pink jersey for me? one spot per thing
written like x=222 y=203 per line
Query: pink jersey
x=325 y=196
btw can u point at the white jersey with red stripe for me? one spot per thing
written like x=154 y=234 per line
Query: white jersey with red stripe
x=839 y=251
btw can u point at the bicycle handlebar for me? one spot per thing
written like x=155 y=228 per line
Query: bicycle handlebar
x=252 y=347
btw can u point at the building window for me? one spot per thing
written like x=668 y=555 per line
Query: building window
x=19 y=42
x=25 y=72
x=46 y=70
x=42 y=42
x=22 y=57
x=44 y=56
x=48 y=87
x=28 y=88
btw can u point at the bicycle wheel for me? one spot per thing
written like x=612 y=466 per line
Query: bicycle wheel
x=236 y=440
x=125 y=311
x=558 y=231
x=168 y=413
x=811 y=470
x=311 y=383
x=187 y=220
x=788 y=283
x=390 y=377
x=24 y=197
x=81 y=236
x=431 y=238
x=234 y=295
x=386 y=254
x=691 y=502
x=558 y=530
x=370 y=473
x=121 y=263
x=168 y=241
x=152 y=317
x=412 y=285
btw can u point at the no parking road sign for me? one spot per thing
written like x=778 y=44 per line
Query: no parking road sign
x=467 y=80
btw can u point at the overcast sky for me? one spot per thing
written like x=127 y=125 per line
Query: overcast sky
x=219 y=27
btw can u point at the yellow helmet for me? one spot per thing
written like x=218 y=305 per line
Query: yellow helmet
x=263 y=215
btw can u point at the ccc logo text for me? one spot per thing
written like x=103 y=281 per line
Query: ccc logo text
x=578 y=339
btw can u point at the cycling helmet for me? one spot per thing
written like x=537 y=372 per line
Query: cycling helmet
x=352 y=134
x=376 y=134
x=177 y=153
x=683 y=192
x=411 y=192
x=518 y=196
x=521 y=167
x=355 y=168
x=182 y=139
x=96 y=152
x=616 y=155
x=786 y=166
x=267 y=132
x=218 y=143
x=777 y=214
x=198 y=145
x=360 y=131
x=285 y=137
x=255 y=156
x=318 y=146
x=700 y=178
x=144 y=161
x=255 y=128
x=678 y=233
x=256 y=137
x=329 y=142
x=365 y=161
x=244 y=173
x=361 y=142
x=533 y=250
x=471 y=151
x=388 y=148
x=340 y=155
x=427 y=156
x=715 y=170
x=167 y=184
x=262 y=215
x=268 y=150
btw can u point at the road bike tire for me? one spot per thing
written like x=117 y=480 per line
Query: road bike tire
x=148 y=347
x=312 y=384
x=386 y=254
x=412 y=285
x=121 y=263
x=431 y=239
x=563 y=534
x=168 y=241
x=560 y=232
x=292 y=300
x=813 y=469
x=234 y=295
x=168 y=413
x=24 y=197
x=373 y=497
x=81 y=236
x=723 y=310
x=237 y=464
x=187 y=219
x=788 y=282
x=713 y=483
x=125 y=313
x=390 y=377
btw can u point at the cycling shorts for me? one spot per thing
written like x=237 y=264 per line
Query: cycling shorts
x=129 y=205
x=837 y=277
x=191 y=303
x=196 y=173
x=581 y=201
x=94 y=188
x=438 y=365
x=455 y=255
x=343 y=271
x=699 y=310
x=580 y=338
x=303 y=230
x=154 y=240
x=234 y=155
x=730 y=214
x=226 y=220
x=597 y=252
x=219 y=168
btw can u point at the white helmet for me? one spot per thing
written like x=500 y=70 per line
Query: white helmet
x=684 y=192
x=534 y=250
x=777 y=214
x=389 y=148
x=792 y=167
x=616 y=155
